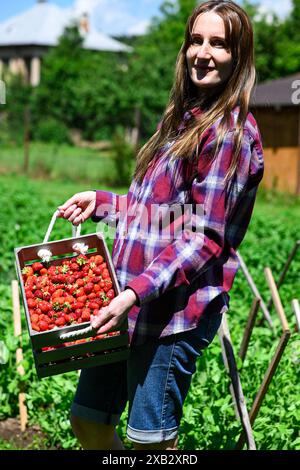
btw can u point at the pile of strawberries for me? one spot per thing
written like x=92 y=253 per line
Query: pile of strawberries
x=68 y=293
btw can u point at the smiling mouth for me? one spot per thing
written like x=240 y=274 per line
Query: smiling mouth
x=204 y=69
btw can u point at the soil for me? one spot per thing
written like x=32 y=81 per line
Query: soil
x=31 y=438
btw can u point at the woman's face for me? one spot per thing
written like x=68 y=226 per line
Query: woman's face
x=209 y=58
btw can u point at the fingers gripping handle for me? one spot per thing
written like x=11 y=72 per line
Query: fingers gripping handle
x=78 y=334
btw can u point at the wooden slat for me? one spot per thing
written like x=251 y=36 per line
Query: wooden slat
x=58 y=248
x=19 y=353
x=47 y=371
x=276 y=300
x=296 y=308
x=265 y=383
x=81 y=349
x=249 y=327
x=236 y=389
x=255 y=291
x=285 y=269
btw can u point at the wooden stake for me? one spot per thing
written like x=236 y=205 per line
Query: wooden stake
x=296 y=308
x=249 y=328
x=19 y=352
x=276 y=300
x=255 y=291
x=236 y=386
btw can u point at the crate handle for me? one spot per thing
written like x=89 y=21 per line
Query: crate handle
x=45 y=254
x=77 y=334
x=75 y=230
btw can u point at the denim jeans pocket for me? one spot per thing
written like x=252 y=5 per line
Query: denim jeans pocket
x=208 y=326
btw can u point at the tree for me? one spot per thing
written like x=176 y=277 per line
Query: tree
x=152 y=66
x=288 y=57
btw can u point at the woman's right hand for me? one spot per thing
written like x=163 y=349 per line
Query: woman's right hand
x=79 y=207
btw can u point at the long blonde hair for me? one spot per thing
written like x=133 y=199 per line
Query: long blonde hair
x=235 y=91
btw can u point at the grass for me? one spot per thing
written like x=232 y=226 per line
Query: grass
x=63 y=162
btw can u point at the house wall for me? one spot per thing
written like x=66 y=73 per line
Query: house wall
x=279 y=128
x=281 y=169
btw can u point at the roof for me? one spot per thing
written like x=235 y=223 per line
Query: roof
x=277 y=92
x=44 y=23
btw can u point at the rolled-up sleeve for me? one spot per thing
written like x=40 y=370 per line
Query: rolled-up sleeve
x=188 y=256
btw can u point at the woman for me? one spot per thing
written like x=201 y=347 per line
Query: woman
x=202 y=166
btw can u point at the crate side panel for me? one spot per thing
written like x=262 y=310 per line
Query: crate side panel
x=49 y=370
x=79 y=349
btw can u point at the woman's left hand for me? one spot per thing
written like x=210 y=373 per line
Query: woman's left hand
x=113 y=315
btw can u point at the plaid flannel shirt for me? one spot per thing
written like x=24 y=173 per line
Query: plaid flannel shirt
x=178 y=278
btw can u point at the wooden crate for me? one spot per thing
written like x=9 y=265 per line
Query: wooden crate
x=67 y=358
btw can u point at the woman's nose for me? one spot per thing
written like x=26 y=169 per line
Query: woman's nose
x=203 y=51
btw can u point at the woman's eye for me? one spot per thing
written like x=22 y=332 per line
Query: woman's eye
x=197 y=42
x=219 y=43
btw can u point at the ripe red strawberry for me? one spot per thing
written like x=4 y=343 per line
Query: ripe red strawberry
x=98 y=259
x=44 y=306
x=93 y=305
x=80 y=292
x=82 y=298
x=38 y=293
x=61 y=321
x=86 y=314
x=108 y=284
x=32 y=303
x=105 y=273
x=35 y=327
x=76 y=305
x=37 y=267
x=46 y=295
x=43 y=325
x=58 y=293
x=34 y=318
x=92 y=296
x=29 y=293
x=74 y=267
x=97 y=271
x=27 y=271
x=110 y=294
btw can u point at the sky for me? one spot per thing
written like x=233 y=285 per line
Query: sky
x=120 y=16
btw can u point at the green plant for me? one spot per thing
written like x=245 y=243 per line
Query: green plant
x=123 y=157
x=51 y=130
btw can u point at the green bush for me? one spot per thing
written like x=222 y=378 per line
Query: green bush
x=123 y=156
x=51 y=130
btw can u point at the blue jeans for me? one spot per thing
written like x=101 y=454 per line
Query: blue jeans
x=155 y=380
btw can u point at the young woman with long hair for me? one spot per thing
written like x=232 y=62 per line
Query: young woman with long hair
x=177 y=232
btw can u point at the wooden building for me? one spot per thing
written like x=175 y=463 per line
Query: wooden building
x=276 y=107
x=27 y=37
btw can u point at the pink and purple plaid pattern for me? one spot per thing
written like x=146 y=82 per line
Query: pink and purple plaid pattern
x=177 y=233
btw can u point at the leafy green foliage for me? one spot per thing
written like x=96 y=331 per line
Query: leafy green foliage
x=209 y=420
x=123 y=157
x=96 y=92
x=51 y=130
